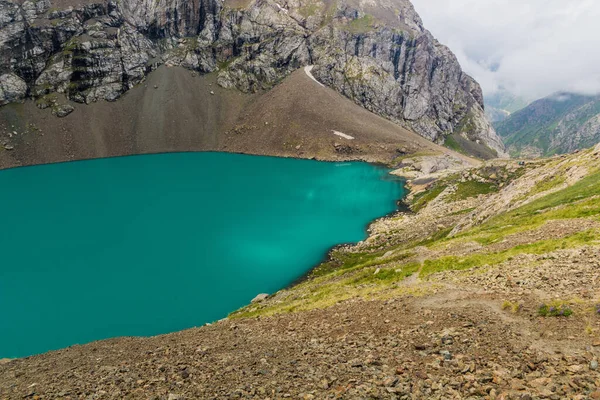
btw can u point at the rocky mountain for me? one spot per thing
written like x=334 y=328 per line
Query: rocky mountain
x=502 y=104
x=377 y=53
x=560 y=123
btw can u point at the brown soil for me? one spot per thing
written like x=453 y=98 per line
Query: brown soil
x=174 y=110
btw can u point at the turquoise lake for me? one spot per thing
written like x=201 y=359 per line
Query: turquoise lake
x=144 y=245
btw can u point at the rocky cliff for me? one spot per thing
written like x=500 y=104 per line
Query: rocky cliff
x=376 y=53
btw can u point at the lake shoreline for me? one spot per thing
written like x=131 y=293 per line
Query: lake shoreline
x=332 y=159
x=402 y=208
x=354 y=184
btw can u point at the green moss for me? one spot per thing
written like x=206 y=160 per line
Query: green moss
x=225 y=64
x=70 y=46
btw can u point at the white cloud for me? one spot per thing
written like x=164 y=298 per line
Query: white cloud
x=531 y=47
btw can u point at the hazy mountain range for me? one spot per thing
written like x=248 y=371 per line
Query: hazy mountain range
x=560 y=123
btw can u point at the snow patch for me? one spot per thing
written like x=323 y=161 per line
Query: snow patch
x=309 y=68
x=281 y=8
x=343 y=135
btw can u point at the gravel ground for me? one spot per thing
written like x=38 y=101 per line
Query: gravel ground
x=452 y=345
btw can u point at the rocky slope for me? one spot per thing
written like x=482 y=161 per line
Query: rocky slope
x=560 y=123
x=176 y=110
x=487 y=289
x=376 y=53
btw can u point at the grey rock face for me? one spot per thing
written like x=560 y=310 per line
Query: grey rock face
x=12 y=88
x=376 y=53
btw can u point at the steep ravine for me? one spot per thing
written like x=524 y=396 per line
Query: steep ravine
x=377 y=54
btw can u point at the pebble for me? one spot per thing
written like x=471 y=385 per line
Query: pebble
x=447 y=339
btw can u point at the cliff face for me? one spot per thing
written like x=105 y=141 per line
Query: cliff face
x=376 y=53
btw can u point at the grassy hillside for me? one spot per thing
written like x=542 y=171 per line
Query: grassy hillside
x=498 y=217
x=556 y=124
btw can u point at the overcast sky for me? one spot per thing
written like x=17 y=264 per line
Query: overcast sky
x=531 y=47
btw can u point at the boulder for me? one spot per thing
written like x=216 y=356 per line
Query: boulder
x=12 y=89
x=260 y=298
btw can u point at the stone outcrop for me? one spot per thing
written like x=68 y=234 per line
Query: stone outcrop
x=376 y=53
x=12 y=88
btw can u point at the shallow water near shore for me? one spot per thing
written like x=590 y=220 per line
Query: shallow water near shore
x=144 y=245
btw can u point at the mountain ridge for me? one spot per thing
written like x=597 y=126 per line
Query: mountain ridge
x=501 y=104
x=560 y=123
x=376 y=53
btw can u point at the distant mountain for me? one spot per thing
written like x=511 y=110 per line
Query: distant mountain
x=556 y=124
x=502 y=104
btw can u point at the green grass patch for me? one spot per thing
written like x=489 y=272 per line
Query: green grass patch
x=344 y=261
x=513 y=307
x=544 y=186
x=461 y=212
x=385 y=275
x=422 y=199
x=577 y=201
x=361 y=25
x=308 y=10
x=469 y=189
x=452 y=144
x=555 y=309
x=436 y=237
x=587 y=187
x=454 y=263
